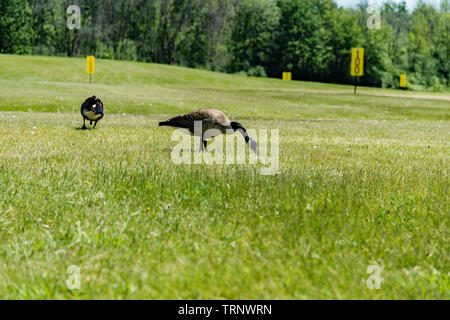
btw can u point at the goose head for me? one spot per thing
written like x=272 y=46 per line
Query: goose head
x=95 y=105
x=236 y=126
x=97 y=108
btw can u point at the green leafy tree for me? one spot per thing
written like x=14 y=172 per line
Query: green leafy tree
x=252 y=29
x=421 y=45
x=397 y=17
x=346 y=35
x=311 y=38
x=15 y=27
x=302 y=40
x=443 y=43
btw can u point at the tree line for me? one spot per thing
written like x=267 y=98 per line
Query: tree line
x=310 y=38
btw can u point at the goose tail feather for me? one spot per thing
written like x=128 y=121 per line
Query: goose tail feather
x=164 y=124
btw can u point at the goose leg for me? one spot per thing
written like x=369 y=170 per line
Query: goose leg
x=205 y=143
x=95 y=124
x=90 y=123
x=201 y=145
x=84 y=124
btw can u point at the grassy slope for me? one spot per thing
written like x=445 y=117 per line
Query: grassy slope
x=375 y=190
x=52 y=84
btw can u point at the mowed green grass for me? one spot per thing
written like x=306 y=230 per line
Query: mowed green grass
x=362 y=181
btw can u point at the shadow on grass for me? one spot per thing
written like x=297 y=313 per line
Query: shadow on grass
x=84 y=129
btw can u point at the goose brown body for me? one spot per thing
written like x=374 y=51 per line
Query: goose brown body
x=209 y=119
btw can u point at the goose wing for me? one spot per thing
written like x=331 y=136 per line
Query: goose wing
x=210 y=115
x=205 y=115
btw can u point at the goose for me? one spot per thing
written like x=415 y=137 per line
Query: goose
x=210 y=119
x=92 y=110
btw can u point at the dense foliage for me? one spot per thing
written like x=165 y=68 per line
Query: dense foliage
x=311 y=38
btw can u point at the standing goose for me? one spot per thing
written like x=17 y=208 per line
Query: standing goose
x=92 y=110
x=210 y=119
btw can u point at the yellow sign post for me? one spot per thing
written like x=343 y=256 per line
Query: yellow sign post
x=90 y=66
x=357 y=66
x=287 y=76
x=403 y=81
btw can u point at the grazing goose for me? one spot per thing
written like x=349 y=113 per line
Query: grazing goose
x=92 y=110
x=210 y=119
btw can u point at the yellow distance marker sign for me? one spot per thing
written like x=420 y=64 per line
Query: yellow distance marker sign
x=90 y=64
x=287 y=76
x=403 y=80
x=357 y=68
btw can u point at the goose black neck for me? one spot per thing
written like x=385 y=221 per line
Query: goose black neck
x=236 y=126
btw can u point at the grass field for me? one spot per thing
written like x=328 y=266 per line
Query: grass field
x=363 y=181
